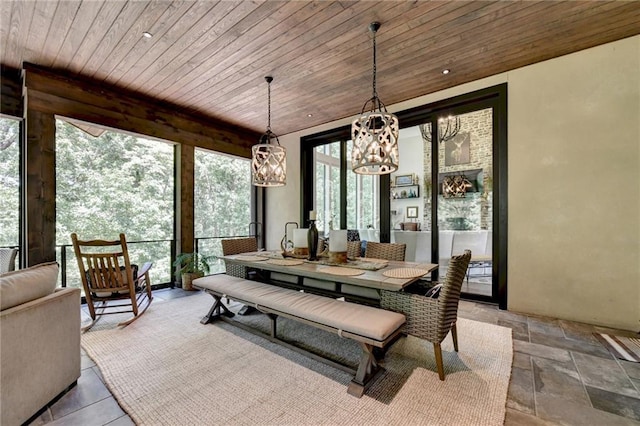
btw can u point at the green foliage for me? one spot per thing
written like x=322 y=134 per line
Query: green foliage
x=222 y=195
x=222 y=198
x=121 y=183
x=111 y=184
x=9 y=182
x=191 y=263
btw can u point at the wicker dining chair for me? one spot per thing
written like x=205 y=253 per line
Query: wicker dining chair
x=7 y=259
x=239 y=245
x=112 y=285
x=432 y=318
x=354 y=249
x=387 y=251
x=236 y=246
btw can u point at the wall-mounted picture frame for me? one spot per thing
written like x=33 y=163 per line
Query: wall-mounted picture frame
x=404 y=180
x=458 y=149
x=412 y=212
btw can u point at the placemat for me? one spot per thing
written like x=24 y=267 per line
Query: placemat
x=338 y=270
x=405 y=273
x=285 y=262
x=358 y=263
x=251 y=258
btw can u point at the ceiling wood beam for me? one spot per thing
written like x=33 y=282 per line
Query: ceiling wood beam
x=11 y=89
x=113 y=107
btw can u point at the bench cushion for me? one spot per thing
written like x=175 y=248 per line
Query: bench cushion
x=366 y=321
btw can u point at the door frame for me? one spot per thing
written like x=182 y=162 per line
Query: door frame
x=492 y=97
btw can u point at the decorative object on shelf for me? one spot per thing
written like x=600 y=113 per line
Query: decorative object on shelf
x=375 y=133
x=338 y=246
x=411 y=191
x=455 y=186
x=268 y=162
x=412 y=212
x=448 y=128
x=457 y=150
x=404 y=180
x=312 y=237
x=410 y=226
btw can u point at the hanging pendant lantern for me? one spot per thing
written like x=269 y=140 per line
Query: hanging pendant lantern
x=268 y=162
x=375 y=133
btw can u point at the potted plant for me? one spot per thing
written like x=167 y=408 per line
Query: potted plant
x=192 y=266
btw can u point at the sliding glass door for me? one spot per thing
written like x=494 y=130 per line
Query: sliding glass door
x=447 y=195
x=464 y=197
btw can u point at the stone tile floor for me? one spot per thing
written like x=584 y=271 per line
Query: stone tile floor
x=561 y=375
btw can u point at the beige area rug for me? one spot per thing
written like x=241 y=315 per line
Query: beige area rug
x=167 y=368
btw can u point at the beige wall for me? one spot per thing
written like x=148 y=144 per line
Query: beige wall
x=574 y=184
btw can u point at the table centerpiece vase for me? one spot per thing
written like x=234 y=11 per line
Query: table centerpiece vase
x=312 y=240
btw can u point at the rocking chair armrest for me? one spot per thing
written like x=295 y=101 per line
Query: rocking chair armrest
x=143 y=271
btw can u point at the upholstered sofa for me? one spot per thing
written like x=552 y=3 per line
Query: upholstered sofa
x=39 y=341
x=451 y=243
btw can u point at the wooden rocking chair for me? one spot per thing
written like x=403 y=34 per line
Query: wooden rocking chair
x=108 y=277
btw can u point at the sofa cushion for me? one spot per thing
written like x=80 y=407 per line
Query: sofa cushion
x=24 y=285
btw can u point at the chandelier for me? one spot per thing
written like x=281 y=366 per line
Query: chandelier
x=375 y=133
x=448 y=128
x=268 y=162
x=455 y=186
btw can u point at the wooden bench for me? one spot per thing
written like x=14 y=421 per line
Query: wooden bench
x=370 y=327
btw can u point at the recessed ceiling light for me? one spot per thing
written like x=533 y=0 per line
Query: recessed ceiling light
x=309 y=115
x=147 y=34
x=446 y=71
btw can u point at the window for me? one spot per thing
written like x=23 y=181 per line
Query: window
x=362 y=199
x=9 y=183
x=342 y=199
x=327 y=187
x=222 y=198
x=111 y=184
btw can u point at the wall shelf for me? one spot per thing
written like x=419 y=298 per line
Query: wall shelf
x=405 y=192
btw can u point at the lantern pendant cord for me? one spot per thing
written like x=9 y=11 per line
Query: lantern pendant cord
x=269 y=108
x=375 y=100
x=269 y=134
x=375 y=92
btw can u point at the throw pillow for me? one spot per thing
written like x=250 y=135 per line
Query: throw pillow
x=25 y=285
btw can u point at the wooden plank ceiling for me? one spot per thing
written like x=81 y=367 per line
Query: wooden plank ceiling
x=212 y=56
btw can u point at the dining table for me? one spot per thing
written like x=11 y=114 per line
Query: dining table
x=369 y=274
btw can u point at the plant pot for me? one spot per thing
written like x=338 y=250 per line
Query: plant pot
x=187 y=278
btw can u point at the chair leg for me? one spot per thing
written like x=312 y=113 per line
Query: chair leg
x=454 y=335
x=438 y=351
